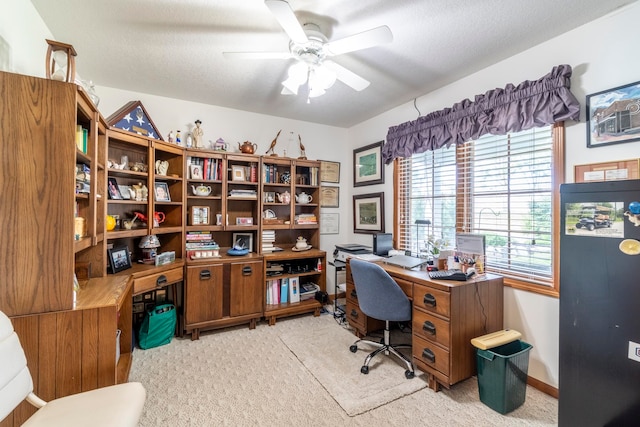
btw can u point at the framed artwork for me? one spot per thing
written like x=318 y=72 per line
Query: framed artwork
x=200 y=215
x=244 y=239
x=329 y=171
x=607 y=171
x=196 y=171
x=614 y=116
x=237 y=173
x=244 y=220
x=368 y=213
x=119 y=259
x=367 y=165
x=125 y=191
x=133 y=117
x=114 y=191
x=329 y=197
x=162 y=192
x=329 y=223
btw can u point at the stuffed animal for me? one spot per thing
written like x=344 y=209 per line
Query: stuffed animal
x=634 y=218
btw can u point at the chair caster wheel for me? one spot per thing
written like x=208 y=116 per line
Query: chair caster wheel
x=364 y=370
x=353 y=348
x=409 y=374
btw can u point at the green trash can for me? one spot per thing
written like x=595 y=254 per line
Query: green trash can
x=502 y=375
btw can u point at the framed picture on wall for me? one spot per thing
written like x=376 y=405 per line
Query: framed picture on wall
x=329 y=197
x=367 y=165
x=614 y=116
x=329 y=171
x=368 y=213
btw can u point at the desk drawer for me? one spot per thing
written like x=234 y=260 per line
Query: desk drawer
x=433 y=300
x=357 y=319
x=158 y=280
x=351 y=294
x=431 y=328
x=431 y=354
x=406 y=286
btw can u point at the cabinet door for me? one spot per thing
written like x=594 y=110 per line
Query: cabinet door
x=246 y=288
x=204 y=293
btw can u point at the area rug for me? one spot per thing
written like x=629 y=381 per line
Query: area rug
x=325 y=353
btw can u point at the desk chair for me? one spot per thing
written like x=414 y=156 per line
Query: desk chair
x=380 y=297
x=118 y=405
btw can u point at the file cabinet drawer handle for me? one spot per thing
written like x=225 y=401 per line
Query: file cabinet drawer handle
x=205 y=275
x=429 y=327
x=428 y=355
x=161 y=281
x=429 y=300
x=246 y=271
x=354 y=314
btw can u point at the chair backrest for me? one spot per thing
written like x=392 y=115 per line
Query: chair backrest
x=15 y=378
x=379 y=296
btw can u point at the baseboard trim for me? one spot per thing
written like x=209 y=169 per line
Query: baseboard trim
x=543 y=387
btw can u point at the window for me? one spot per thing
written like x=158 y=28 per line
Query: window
x=499 y=186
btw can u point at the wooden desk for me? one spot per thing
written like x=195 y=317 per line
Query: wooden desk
x=446 y=316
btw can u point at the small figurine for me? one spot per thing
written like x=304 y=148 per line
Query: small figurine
x=303 y=155
x=189 y=141
x=178 y=138
x=273 y=145
x=197 y=135
x=171 y=137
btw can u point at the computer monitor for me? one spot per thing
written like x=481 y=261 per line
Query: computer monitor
x=382 y=243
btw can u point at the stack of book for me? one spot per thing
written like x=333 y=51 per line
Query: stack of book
x=249 y=194
x=282 y=291
x=306 y=219
x=199 y=243
x=308 y=291
x=268 y=241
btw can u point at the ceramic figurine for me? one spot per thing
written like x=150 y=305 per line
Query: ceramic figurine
x=197 y=135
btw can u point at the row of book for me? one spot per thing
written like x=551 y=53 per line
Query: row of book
x=82 y=135
x=282 y=291
x=199 y=243
x=270 y=174
x=205 y=168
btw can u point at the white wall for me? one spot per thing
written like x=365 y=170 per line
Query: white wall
x=603 y=55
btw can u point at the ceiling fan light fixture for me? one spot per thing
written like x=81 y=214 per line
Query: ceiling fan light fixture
x=321 y=77
x=290 y=87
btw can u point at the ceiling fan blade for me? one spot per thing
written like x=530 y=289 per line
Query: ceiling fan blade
x=287 y=20
x=256 y=55
x=374 y=37
x=347 y=77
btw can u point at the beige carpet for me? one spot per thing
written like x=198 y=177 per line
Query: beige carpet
x=324 y=351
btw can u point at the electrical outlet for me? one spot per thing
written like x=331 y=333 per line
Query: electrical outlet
x=634 y=351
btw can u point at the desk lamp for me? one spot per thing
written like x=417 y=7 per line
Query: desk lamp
x=149 y=245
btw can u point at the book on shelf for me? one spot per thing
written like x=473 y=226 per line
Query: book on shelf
x=284 y=290
x=294 y=289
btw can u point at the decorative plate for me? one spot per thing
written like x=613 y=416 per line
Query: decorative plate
x=237 y=252
x=296 y=249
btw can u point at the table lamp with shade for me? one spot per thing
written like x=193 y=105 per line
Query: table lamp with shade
x=149 y=245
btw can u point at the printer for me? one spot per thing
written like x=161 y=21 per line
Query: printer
x=344 y=251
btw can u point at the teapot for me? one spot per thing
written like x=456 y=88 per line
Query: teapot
x=201 y=190
x=284 y=197
x=247 y=147
x=303 y=198
x=301 y=243
x=220 y=145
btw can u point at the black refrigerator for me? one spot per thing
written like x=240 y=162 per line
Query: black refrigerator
x=599 y=371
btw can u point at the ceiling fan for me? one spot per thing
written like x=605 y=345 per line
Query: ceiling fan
x=311 y=48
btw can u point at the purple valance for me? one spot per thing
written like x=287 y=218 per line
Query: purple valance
x=497 y=112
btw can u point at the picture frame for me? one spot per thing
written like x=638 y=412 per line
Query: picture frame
x=329 y=171
x=607 y=171
x=330 y=223
x=162 y=192
x=244 y=220
x=195 y=171
x=613 y=116
x=367 y=165
x=200 y=215
x=329 y=197
x=119 y=259
x=237 y=173
x=125 y=191
x=245 y=238
x=113 y=189
x=368 y=213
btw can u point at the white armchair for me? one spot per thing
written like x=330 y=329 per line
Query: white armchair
x=119 y=405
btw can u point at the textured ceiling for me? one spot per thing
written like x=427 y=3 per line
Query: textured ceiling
x=174 y=48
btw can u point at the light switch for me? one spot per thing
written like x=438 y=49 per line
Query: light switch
x=634 y=351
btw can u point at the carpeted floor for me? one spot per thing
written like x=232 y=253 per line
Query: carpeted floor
x=242 y=377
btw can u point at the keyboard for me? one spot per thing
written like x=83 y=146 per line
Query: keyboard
x=451 y=275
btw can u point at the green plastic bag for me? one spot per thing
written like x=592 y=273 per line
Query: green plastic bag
x=158 y=326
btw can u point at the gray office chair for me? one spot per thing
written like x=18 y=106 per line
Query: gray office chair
x=380 y=297
x=119 y=405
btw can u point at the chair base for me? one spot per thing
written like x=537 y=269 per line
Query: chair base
x=388 y=349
